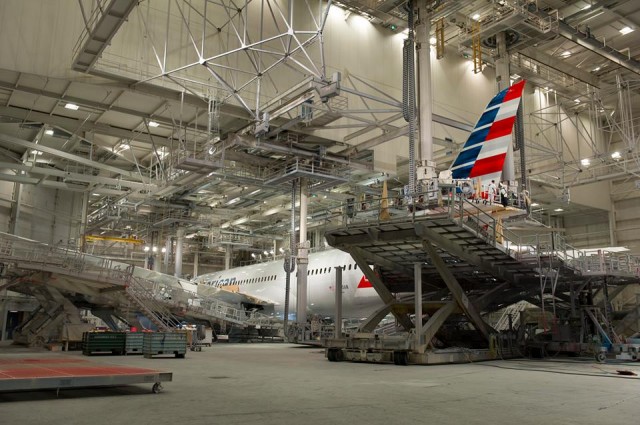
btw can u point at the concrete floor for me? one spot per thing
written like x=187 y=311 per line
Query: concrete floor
x=284 y=384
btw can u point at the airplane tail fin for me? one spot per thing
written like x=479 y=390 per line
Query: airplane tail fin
x=484 y=152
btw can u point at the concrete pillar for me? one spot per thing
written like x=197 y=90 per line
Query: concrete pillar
x=503 y=78
x=417 y=276
x=178 y=259
x=423 y=30
x=303 y=257
x=157 y=267
x=196 y=260
x=227 y=256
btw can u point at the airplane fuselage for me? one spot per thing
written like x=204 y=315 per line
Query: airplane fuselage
x=266 y=282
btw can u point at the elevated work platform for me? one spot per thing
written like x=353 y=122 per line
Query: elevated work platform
x=98 y=283
x=460 y=260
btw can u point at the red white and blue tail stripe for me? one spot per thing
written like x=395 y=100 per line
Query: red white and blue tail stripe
x=486 y=148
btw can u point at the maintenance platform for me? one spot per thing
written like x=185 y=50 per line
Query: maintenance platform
x=450 y=264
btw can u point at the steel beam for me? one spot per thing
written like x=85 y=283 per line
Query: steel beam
x=96 y=39
x=456 y=290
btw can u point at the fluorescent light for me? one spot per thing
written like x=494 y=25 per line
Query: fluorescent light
x=35 y=152
x=233 y=201
x=585 y=162
x=153 y=124
x=48 y=132
x=626 y=30
x=432 y=41
x=577 y=100
x=535 y=204
x=558 y=209
x=596 y=69
x=146 y=249
x=587 y=7
x=566 y=54
x=515 y=77
x=164 y=249
x=476 y=17
x=255 y=191
x=154 y=249
x=72 y=106
x=616 y=155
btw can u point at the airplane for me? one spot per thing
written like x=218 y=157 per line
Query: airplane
x=263 y=285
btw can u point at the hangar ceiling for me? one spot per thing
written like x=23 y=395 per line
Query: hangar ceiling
x=199 y=114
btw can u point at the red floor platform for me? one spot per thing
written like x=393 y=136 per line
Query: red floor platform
x=42 y=373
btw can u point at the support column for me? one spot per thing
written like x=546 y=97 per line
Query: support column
x=167 y=254
x=613 y=238
x=503 y=78
x=303 y=257
x=196 y=260
x=15 y=207
x=426 y=170
x=338 y=288
x=227 y=256
x=83 y=221
x=178 y=259
x=417 y=277
x=4 y=313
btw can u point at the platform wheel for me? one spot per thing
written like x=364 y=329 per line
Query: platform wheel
x=601 y=357
x=157 y=387
x=331 y=355
x=400 y=358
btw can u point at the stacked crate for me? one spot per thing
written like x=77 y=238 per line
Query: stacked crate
x=155 y=343
x=134 y=342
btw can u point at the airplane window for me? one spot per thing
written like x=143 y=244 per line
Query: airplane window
x=308 y=272
x=349 y=266
x=355 y=267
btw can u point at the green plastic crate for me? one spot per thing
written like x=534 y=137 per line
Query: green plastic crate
x=155 y=343
x=133 y=343
x=103 y=342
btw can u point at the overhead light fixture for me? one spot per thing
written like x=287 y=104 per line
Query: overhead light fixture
x=626 y=30
x=154 y=249
x=596 y=69
x=281 y=250
x=146 y=249
x=35 y=152
x=515 y=77
x=232 y=201
x=265 y=253
x=48 y=132
x=577 y=100
x=535 y=204
x=476 y=17
x=164 y=249
x=566 y=54
x=616 y=155
x=432 y=41
x=558 y=210
x=72 y=106
x=153 y=124
x=587 y=7
x=255 y=191
x=585 y=162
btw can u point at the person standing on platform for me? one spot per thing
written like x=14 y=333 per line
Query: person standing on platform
x=492 y=192
x=504 y=200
